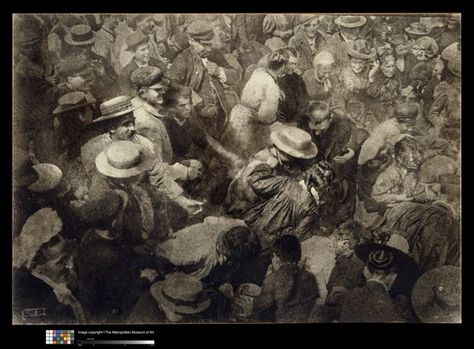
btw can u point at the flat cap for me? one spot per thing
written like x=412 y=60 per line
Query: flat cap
x=148 y=76
x=200 y=30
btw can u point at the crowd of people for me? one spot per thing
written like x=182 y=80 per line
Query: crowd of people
x=236 y=168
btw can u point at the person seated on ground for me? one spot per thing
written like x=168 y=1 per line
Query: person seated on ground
x=399 y=181
x=291 y=149
x=372 y=302
x=287 y=205
x=288 y=292
x=179 y=298
x=330 y=129
x=219 y=250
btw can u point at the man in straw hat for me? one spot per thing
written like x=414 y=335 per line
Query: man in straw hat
x=118 y=123
x=137 y=44
x=179 y=298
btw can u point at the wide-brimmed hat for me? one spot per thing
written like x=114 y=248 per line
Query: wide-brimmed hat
x=350 y=21
x=360 y=49
x=115 y=107
x=383 y=257
x=39 y=228
x=200 y=30
x=73 y=100
x=134 y=39
x=149 y=77
x=49 y=177
x=294 y=142
x=417 y=28
x=124 y=159
x=80 y=35
x=181 y=293
x=436 y=297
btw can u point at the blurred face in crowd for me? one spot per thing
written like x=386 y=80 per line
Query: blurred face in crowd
x=125 y=131
x=202 y=48
x=319 y=121
x=154 y=94
x=358 y=65
x=142 y=53
x=438 y=69
x=312 y=28
x=147 y=25
x=401 y=50
x=410 y=159
x=292 y=64
x=81 y=81
x=388 y=67
x=451 y=24
x=182 y=107
x=323 y=71
x=350 y=33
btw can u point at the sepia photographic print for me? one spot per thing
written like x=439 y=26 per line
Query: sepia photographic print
x=236 y=168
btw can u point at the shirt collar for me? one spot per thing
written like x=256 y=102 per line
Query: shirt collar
x=149 y=108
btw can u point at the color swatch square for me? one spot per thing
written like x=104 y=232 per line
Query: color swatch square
x=56 y=337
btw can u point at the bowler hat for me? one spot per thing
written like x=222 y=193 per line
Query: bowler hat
x=134 y=39
x=200 y=31
x=115 y=107
x=436 y=297
x=383 y=257
x=49 y=177
x=101 y=208
x=80 y=35
x=73 y=100
x=181 y=293
x=294 y=142
x=350 y=21
x=417 y=28
x=360 y=49
x=124 y=159
x=148 y=76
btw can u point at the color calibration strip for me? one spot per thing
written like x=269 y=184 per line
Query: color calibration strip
x=59 y=336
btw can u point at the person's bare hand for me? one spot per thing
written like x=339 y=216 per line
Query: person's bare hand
x=193 y=173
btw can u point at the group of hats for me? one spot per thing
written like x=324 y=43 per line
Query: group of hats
x=436 y=295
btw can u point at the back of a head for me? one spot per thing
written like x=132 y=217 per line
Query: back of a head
x=278 y=59
x=287 y=248
x=240 y=242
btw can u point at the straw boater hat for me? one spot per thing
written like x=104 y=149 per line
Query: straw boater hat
x=80 y=35
x=124 y=159
x=436 y=297
x=294 y=142
x=181 y=293
x=136 y=38
x=115 y=107
x=360 y=49
x=73 y=100
x=49 y=177
x=417 y=28
x=350 y=21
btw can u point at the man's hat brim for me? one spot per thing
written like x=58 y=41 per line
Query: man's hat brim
x=309 y=154
x=106 y=169
x=402 y=261
x=62 y=109
x=115 y=115
x=362 y=21
x=412 y=32
x=156 y=291
x=359 y=55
